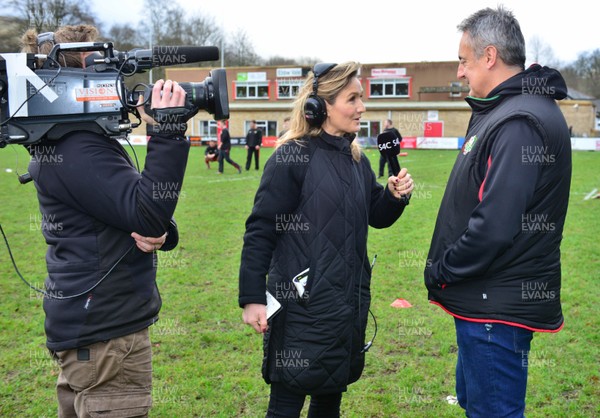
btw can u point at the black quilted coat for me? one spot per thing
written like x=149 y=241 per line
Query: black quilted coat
x=312 y=210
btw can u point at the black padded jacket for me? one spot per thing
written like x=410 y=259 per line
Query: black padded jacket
x=91 y=199
x=312 y=210
x=495 y=251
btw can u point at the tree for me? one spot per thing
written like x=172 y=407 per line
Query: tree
x=588 y=68
x=239 y=52
x=301 y=61
x=124 y=37
x=540 y=52
x=166 y=22
x=170 y=26
x=10 y=29
x=583 y=75
x=202 y=30
x=279 y=60
x=47 y=15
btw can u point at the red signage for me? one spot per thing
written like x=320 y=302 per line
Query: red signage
x=433 y=129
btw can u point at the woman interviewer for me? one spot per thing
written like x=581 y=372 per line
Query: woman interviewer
x=316 y=200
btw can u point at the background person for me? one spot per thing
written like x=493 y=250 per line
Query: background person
x=112 y=221
x=286 y=126
x=314 y=211
x=388 y=125
x=224 y=150
x=494 y=260
x=253 y=144
x=211 y=153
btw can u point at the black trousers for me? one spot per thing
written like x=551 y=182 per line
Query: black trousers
x=256 y=153
x=382 y=162
x=224 y=155
x=286 y=404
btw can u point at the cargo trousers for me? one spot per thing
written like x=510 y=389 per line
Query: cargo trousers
x=110 y=378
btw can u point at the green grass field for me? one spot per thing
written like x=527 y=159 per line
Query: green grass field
x=207 y=362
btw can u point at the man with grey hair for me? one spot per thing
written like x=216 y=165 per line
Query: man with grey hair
x=494 y=259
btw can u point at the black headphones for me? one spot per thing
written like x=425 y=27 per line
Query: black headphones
x=315 y=110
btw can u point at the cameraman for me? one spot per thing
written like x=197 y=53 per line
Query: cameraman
x=102 y=260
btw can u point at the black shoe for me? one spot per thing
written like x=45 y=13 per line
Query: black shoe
x=239 y=170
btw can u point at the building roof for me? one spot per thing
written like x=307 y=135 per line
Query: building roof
x=577 y=95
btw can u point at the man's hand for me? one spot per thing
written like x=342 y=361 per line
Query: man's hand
x=168 y=110
x=165 y=94
x=148 y=244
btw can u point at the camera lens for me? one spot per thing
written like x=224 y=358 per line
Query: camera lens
x=209 y=95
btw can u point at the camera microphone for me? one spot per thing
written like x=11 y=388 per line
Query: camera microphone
x=389 y=146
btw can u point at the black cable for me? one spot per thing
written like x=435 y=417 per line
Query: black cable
x=370 y=343
x=364 y=193
x=117 y=85
x=46 y=294
x=137 y=163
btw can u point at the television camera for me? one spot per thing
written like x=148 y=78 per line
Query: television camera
x=48 y=100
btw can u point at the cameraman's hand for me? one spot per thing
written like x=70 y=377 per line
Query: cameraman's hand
x=255 y=315
x=148 y=244
x=165 y=94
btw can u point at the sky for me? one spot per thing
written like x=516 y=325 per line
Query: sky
x=375 y=31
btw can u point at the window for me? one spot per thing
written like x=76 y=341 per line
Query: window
x=288 y=89
x=268 y=127
x=389 y=87
x=208 y=129
x=251 y=89
x=455 y=89
x=369 y=129
x=367 y=135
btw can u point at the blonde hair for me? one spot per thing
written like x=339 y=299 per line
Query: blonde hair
x=64 y=34
x=330 y=85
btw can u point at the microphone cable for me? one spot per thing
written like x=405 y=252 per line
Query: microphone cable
x=370 y=343
x=364 y=193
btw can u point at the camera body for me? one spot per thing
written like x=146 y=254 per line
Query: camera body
x=48 y=101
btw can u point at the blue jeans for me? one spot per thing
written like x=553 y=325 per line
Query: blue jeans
x=284 y=403
x=491 y=370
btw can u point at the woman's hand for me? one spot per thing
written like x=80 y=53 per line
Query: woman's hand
x=401 y=185
x=255 y=315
